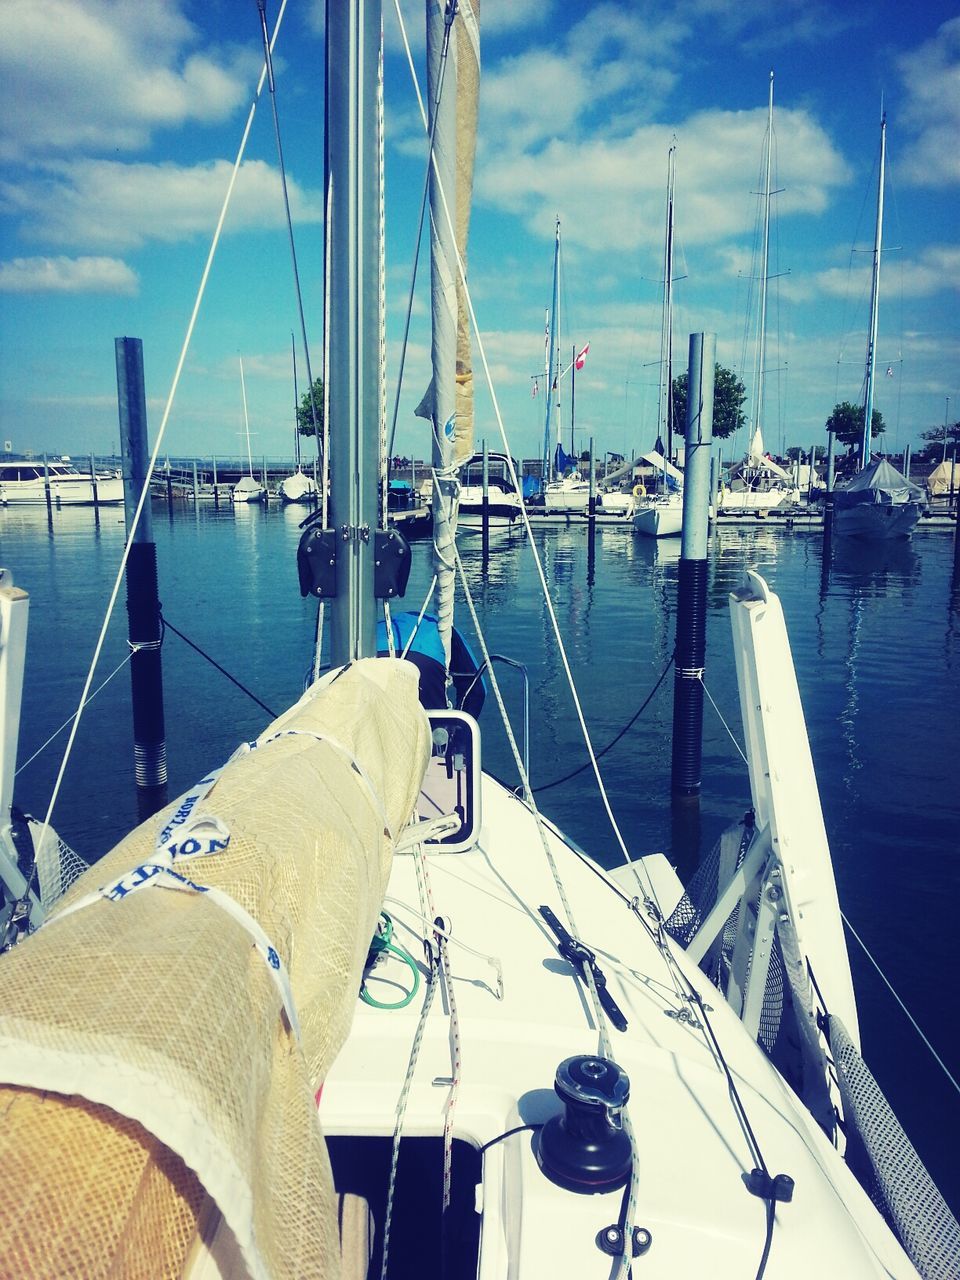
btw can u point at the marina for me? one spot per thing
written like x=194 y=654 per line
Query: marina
x=455 y=866
x=876 y=639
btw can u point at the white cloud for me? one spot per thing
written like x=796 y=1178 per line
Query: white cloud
x=935 y=269
x=931 y=75
x=67 y=275
x=104 y=202
x=610 y=191
x=104 y=74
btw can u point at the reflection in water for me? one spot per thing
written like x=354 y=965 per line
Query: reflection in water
x=874 y=567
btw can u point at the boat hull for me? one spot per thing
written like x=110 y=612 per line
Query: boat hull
x=756 y=499
x=659 y=520
x=560 y=500
x=63 y=493
x=878 y=521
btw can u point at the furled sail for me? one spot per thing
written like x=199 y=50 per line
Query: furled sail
x=154 y=1068
x=453 y=76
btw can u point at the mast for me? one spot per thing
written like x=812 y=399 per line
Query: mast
x=874 y=306
x=765 y=257
x=296 y=404
x=553 y=363
x=353 y=271
x=246 y=420
x=666 y=329
x=442 y=86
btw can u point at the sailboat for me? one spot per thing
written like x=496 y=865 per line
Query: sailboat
x=758 y=483
x=551 y=1070
x=299 y=487
x=879 y=502
x=565 y=491
x=248 y=488
x=660 y=514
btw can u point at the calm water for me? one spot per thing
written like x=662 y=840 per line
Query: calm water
x=876 y=641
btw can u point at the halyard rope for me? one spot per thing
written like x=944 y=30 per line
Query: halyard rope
x=145 y=492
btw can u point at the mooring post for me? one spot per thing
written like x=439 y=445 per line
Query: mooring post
x=93 y=482
x=485 y=508
x=263 y=480
x=143 y=605
x=828 y=497
x=46 y=485
x=692 y=584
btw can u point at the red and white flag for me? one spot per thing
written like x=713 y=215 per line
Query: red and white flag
x=581 y=357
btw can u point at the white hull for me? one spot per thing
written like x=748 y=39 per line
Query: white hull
x=878 y=521
x=247 y=491
x=564 y=497
x=504 y=508
x=756 y=499
x=616 y=504
x=659 y=519
x=65 y=491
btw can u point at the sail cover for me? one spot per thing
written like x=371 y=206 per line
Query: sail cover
x=880 y=482
x=150 y=1072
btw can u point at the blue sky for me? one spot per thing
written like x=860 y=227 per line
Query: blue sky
x=123 y=116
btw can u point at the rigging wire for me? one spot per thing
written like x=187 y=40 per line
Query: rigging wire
x=161 y=431
x=546 y=786
x=268 y=63
x=213 y=662
x=56 y=733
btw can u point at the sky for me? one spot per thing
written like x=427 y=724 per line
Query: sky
x=122 y=119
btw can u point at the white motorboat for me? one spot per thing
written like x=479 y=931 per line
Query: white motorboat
x=504 y=503
x=26 y=481
x=570 y=495
x=621 y=1075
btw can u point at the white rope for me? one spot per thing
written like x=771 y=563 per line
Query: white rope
x=423 y=609
x=723 y=722
x=56 y=733
x=145 y=491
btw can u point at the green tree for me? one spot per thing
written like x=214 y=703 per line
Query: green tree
x=846 y=423
x=305 y=412
x=937 y=437
x=728 y=397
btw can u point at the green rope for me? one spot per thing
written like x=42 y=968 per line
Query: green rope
x=383 y=942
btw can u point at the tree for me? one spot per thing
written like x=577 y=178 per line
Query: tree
x=728 y=397
x=305 y=412
x=941 y=442
x=846 y=423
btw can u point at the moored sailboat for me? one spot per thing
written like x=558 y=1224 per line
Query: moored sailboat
x=758 y=483
x=879 y=502
x=693 y=1124
x=660 y=514
x=248 y=488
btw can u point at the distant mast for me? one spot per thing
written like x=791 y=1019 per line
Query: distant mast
x=553 y=363
x=666 y=330
x=874 y=306
x=764 y=267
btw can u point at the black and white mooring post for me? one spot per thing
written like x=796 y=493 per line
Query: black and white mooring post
x=692 y=585
x=485 y=510
x=143 y=605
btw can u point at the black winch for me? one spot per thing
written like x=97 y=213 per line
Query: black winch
x=585 y=1148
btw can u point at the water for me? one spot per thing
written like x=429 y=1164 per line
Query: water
x=876 y=643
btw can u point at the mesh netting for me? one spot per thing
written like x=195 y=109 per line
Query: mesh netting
x=160 y=1026
x=57 y=865
x=929 y=1231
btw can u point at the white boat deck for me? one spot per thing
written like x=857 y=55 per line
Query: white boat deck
x=693 y=1152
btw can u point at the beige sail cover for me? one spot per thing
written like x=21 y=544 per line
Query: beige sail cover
x=150 y=1076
